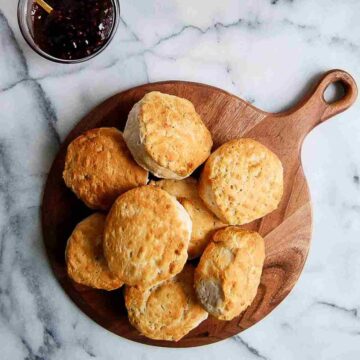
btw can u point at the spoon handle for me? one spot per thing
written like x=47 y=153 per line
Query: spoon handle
x=45 y=6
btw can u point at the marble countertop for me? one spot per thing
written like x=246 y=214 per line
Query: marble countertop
x=265 y=51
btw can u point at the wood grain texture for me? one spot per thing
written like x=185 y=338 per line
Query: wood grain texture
x=287 y=231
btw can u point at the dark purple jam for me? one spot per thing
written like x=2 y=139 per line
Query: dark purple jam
x=75 y=29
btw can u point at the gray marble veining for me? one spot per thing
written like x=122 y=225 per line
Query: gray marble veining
x=266 y=51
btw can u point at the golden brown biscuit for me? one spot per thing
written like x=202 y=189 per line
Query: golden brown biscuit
x=167 y=311
x=99 y=167
x=204 y=221
x=166 y=136
x=147 y=234
x=84 y=255
x=242 y=181
x=181 y=189
x=229 y=272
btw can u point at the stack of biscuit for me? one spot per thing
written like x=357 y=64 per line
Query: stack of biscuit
x=145 y=232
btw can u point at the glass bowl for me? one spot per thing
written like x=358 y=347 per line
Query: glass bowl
x=26 y=28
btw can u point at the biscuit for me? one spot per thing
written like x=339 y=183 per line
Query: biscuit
x=242 y=181
x=204 y=221
x=147 y=234
x=167 y=311
x=166 y=136
x=84 y=256
x=99 y=167
x=229 y=272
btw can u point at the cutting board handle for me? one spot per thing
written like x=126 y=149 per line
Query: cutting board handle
x=314 y=109
x=338 y=106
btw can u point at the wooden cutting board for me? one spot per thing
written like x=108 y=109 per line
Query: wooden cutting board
x=287 y=231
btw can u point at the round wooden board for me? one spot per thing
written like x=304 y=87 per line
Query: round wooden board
x=287 y=231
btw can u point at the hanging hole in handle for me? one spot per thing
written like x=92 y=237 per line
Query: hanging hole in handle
x=335 y=92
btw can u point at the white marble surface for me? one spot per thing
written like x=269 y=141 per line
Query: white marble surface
x=265 y=51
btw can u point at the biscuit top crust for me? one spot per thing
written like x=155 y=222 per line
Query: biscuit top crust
x=181 y=189
x=229 y=271
x=242 y=181
x=173 y=133
x=167 y=311
x=147 y=234
x=85 y=260
x=204 y=221
x=99 y=167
